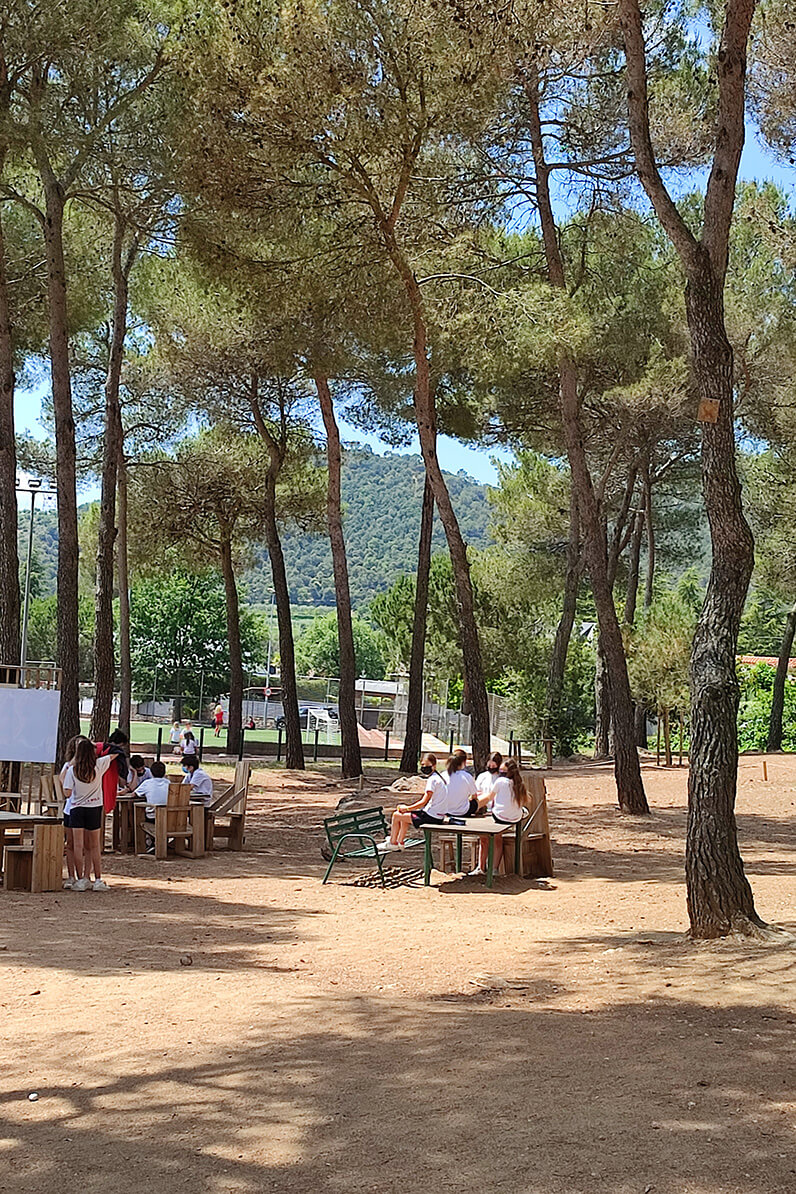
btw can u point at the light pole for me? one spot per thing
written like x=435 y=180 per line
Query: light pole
x=33 y=486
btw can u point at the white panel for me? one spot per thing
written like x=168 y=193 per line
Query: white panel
x=28 y=724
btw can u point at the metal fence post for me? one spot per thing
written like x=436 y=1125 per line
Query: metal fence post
x=386 y=745
x=201 y=741
x=315 y=750
x=240 y=748
x=279 y=744
x=160 y=742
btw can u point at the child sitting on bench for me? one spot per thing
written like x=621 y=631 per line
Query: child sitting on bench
x=506 y=802
x=431 y=807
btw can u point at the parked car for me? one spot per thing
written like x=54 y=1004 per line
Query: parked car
x=304 y=715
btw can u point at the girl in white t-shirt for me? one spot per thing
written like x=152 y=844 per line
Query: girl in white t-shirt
x=84 y=781
x=460 y=791
x=486 y=780
x=431 y=807
x=69 y=882
x=506 y=802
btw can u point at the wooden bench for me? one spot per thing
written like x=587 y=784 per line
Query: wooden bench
x=179 y=821
x=363 y=826
x=231 y=805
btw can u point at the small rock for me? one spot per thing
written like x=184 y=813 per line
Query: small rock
x=186 y=960
x=33 y=1097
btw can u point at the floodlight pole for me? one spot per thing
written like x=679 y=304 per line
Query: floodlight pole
x=33 y=486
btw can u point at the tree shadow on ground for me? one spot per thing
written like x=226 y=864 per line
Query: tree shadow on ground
x=350 y=1094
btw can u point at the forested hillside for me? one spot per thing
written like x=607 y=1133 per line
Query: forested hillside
x=382 y=496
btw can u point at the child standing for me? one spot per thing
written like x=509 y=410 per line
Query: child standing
x=85 y=788
x=71 y=878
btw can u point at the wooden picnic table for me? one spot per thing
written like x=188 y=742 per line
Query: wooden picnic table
x=47 y=847
x=468 y=827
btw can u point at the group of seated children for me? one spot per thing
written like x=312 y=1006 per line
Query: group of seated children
x=499 y=790
x=182 y=739
x=91 y=769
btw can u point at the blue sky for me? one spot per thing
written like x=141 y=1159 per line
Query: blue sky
x=757 y=163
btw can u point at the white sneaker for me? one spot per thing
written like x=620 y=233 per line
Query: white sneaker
x=99 y=885
x=69 y=884
x=81 y=885
x=476 y=871
x=387 y=847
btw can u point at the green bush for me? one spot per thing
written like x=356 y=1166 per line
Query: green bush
x=757 y=683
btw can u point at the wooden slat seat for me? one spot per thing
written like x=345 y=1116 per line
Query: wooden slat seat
x=225 y=817
x=179 y=822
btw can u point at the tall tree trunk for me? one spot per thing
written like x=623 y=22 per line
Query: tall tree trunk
x=630 y=789
x=294 y=750
x=558 y=658
x=235 y=654
x=9 y=556
x=602 y=706
x=634 y=561
x=104 y=654
x=631 y=599
x=426 y=418
x=349 y=726
x=778 y=692
x=413 y=739
x=719 y=896
x=123 y=580
x=66 y=466
x=649 y=522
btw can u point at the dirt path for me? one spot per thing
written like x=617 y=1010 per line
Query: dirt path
x=230 y=1025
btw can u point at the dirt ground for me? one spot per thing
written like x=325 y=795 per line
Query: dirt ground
x=230 y=1026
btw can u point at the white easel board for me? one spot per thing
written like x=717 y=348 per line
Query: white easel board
x=28 y=724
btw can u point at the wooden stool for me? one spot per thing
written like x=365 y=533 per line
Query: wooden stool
x=38 y=866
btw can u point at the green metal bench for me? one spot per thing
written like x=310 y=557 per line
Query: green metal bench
x=363 y=827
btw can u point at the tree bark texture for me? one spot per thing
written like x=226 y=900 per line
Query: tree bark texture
x=719 y=896
x=426 y=418
x=123 y=584
x=649 y=523
x=558 y=657
x=413 y=739
x=630 y=789
x=294 y=749
x=233 y=641
x=9 y=556
x=634 y=562
x=66 y=468
x=104 y=653
x=602 y=705
x=351 y=762
x=778 y=693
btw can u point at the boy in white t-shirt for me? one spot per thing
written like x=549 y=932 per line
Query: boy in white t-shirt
x=155 y=791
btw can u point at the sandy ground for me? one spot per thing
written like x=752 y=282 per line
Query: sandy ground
x=230 y=1025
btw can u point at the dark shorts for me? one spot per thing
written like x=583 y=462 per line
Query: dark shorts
x=473 y=810
x=67 y=821
x=421 y=817
x=86 y=818
x=501 y=821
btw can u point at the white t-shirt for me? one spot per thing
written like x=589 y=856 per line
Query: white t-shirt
x=154 y=791
x=485 y=783
x=67 y=783
x=459 y=788
x=175 y=736
x=504 y=805
x=89 y=795
x=438 y=802
x=202 y=785
x=189 y=746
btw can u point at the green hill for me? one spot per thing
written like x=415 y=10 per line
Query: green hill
x=381 y=496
